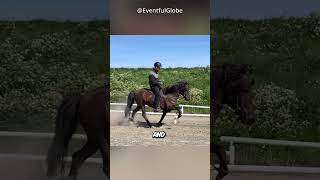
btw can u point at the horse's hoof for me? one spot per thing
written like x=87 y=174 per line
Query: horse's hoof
x=222 y=173
x=131 y=119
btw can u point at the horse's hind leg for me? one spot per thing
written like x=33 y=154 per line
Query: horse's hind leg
x=134 y=113
x=145 y=116
x=80 y=156
x=219 y=150
x=105 y=153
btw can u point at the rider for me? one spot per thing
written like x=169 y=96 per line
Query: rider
x=155 y=85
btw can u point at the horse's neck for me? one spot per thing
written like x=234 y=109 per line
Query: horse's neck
x=173 y=96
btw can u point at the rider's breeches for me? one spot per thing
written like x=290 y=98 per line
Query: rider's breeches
x=156 y=92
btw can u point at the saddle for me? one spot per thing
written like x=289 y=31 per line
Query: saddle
x=153 y=96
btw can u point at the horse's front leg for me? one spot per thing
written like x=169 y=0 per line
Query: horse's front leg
x=179 y=111
x=162 y=117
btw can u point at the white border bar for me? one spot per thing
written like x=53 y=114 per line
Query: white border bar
x=246 y=140
x=37 y=135
x=32 y=157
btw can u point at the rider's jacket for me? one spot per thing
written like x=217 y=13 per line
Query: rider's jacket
x=154 y=79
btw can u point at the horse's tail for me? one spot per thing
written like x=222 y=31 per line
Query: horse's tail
x=65 y=126
x=130 y=102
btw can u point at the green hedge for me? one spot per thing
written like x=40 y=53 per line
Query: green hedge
x=39 y=67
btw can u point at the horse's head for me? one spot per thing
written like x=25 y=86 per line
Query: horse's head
x=238 y=85
x=183 y=89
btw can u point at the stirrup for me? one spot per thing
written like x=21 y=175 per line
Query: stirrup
x=157 y=109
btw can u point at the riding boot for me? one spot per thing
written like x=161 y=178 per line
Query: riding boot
x=157 y=107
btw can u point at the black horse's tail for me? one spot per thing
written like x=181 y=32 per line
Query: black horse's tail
x=130 y=102
x=65 y=126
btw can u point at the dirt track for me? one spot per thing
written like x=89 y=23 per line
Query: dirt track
x=188 y=131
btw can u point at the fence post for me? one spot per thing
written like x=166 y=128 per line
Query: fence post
x=232 y=153
x=181 y=109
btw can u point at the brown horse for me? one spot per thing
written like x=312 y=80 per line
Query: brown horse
x=231 y=85
x=168 y=100
x=91 y=110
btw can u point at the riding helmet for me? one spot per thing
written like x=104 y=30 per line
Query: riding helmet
x=157 y=64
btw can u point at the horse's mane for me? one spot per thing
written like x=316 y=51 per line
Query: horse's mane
x=232 y=72
x=170 y=89
x=174 y=88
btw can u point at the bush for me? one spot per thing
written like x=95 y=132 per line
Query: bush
x=35 y=74
x=196 y=94
x=278 y=112
x=53 y=46
x=121 y=85
x=123 y=80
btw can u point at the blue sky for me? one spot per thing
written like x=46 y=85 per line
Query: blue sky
x=89 y=9
x=170 y=50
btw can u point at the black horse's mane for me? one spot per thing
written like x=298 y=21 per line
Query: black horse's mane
x=175 y=87
x=231 y=72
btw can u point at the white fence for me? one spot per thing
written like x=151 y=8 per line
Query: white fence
x=41 y=135
x=36 y=135
x=244 y=140
x=173 y=114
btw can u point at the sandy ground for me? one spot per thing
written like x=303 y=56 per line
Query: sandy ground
x=128 y=162
x=14 y=169
x=127 y=168
x=187 y=131
x=160 y=163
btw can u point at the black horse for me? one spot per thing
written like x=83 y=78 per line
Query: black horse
x=231 y=85
x=91 y=110
x=168 y=100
